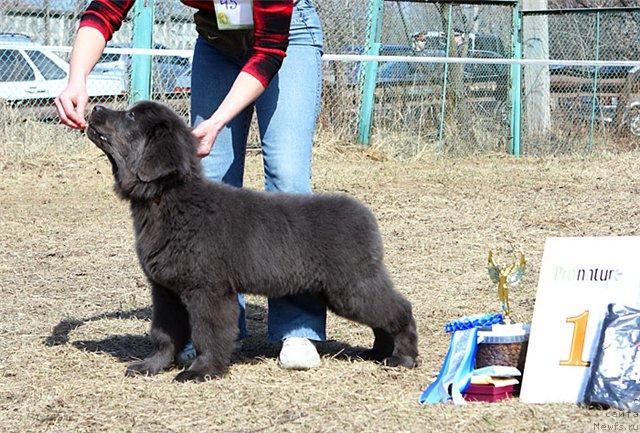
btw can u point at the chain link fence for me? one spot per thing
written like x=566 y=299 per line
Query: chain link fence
x=35 y=40
x=423 y=106
x=567 y=108
x=416 y=106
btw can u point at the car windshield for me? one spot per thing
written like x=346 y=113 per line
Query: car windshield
x=14 y=67
x=488 y=43
x=48 y=69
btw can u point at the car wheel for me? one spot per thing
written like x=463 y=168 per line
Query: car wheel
x=634 y=122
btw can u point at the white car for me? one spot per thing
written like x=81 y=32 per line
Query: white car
x=31 y=78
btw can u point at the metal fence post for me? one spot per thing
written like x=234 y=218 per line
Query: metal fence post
x=140 y=83
x=374 y=31
x=516 y=82
x=445 y=82
x=595 y=85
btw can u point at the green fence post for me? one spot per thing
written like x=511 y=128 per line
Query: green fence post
x=445 y=82
x=374 y=36
x=140 y=83
x=595 y=86
x=516 y=82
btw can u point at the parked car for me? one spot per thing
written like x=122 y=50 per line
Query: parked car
x=572 y=88
x=481 y=80
x=165 y=69
x=390 y=73
x=487 y=80
x=31 y=78
x=437 y=41
x=183 y=82
x=588 y=71
x=606 y=109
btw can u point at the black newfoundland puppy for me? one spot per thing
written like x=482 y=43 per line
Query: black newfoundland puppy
x=199 y=243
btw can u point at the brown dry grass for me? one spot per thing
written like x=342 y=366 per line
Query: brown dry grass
x=75 y=304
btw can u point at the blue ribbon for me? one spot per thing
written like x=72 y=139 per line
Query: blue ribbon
x=455 y=375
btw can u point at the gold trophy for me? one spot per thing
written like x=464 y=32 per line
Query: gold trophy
x=506 y=276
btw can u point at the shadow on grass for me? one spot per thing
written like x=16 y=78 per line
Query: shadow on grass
x=129 y=347
x=123 y=347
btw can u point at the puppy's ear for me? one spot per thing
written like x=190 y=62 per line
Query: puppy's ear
x=163 y=154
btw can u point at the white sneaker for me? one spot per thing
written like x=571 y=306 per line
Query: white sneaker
x=298 y=353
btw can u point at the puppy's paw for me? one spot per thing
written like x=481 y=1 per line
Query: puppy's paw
x=195 y=376
x=372 y=355
x=145 y=367
x=400 y=361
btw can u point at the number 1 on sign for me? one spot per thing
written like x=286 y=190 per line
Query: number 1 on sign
x=577 y=341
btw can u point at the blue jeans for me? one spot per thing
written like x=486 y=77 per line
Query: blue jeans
x=286 y=112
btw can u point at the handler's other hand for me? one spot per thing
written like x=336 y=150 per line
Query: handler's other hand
x=71 y=105
x=206 y=133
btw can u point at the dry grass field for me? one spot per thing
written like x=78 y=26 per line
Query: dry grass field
x=74 y=305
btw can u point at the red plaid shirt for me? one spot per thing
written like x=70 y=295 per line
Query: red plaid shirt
x=272 y=19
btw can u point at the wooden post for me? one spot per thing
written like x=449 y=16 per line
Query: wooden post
x=537 y=78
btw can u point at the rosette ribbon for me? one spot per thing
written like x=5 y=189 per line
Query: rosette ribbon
x=477 y=321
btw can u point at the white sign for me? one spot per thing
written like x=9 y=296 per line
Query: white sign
x=234 y=14
x=579 y=277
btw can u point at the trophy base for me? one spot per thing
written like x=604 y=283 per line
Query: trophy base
x=504 y=345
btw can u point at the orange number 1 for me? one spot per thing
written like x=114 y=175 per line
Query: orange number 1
x=577 y=342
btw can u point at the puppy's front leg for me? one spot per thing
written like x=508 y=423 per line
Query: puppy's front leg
x=214 y=329
x=169 y=332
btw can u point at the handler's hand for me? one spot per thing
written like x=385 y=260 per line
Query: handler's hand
x=207 y=132
x=71 y=105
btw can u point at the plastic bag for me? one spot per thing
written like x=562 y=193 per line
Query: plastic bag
x=615 y=376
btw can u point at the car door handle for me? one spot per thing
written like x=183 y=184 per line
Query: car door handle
x=35 y=90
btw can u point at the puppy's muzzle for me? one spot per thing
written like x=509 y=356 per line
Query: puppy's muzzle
x=95 y=124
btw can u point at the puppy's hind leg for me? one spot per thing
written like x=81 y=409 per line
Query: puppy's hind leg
x=374 y=302
x=214 y=329
x=169 y=332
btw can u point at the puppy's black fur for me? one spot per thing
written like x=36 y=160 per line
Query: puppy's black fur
x=199 y=243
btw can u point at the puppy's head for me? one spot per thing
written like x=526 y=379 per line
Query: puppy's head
x=150 y=148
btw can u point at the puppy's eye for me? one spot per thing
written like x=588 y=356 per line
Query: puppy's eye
x=131 y=115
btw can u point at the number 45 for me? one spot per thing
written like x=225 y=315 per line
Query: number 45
x=577 y=341
x=229 y=4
